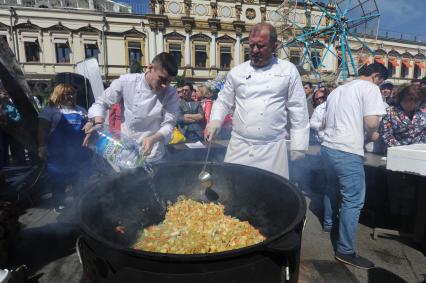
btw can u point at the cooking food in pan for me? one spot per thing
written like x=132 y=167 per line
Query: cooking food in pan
x=192 y=227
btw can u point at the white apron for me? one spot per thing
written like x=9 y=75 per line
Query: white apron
x=271 y=156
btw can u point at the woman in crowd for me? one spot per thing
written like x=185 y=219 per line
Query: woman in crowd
x=196 y=94
x=60 y=138
x=206 y=100
x=319 y=104
x=405 y=122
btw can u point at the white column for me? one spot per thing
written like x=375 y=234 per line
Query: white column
x=160 y=42
x=187 y=51
x=152 y=45
x=330 y=61
x=237 y=51
x=91 y=5
x=411 y=70
x=213 y=51
x=155 y=44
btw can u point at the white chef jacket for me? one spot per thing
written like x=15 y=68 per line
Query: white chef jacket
x=263 y=98
x=145 y=111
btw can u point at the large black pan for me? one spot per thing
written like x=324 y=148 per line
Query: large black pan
x=269 y=202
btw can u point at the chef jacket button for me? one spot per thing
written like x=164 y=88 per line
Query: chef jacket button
x=261 y=114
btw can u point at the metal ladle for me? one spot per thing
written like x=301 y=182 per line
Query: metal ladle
x=205 y=177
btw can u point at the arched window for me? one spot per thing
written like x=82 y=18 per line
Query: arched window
x=419 y=65
x=175 y=44
x=295 y=57
x=134 y=41
x=315 y=59
x=417 y=70
x=405 y=67
x=392 y=64
x=225 y=49
x=200 y=50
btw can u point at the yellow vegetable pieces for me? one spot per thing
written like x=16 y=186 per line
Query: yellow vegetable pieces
x=192 y=227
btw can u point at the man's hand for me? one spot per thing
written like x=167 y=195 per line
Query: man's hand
x=89 y=128
x=212 y=129
x=188 y=119
x=375 y=136
x=148 y=143
x=297 y=155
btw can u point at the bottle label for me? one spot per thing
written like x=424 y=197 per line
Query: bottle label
x=117 y=154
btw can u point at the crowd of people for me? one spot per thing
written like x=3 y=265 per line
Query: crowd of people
x=366 y=114
x=402 y=124
x=261 y=103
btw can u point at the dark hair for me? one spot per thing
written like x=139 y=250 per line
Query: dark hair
x=167 y=62
x=368 y=70
x=273 y=36
x=412 y=92
x=308 y=83
x=324 y=91
x=191 y=87
x=386 y=86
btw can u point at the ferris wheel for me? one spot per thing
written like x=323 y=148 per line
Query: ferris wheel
x=322 y=32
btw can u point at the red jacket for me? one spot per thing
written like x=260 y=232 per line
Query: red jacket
x=114 y=117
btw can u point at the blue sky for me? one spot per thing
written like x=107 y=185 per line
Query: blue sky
x=408 y=16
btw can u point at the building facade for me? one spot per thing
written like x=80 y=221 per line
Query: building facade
x=205 y=37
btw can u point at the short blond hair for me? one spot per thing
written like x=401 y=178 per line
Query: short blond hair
x=57 y=97
x=204 y=90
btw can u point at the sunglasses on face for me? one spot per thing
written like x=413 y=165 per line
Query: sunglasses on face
x=319 y=98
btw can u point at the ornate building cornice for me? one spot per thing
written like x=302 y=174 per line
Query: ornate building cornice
x=393 y=53
x=88 y=29
x=200 y=37
x=27 y=26
x=157 y=22
x=226 y=39
x=3 y=26
x=133 y=32
x=188 y=23
x=58 y=28
x=420 y=56
x=408 y=55
x=239 y=27
x=214 y=25
x=174 y=36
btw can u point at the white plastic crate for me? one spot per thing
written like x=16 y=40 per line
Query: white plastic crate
x=407 y=158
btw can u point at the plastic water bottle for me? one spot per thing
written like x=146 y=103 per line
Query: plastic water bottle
x=120 y=151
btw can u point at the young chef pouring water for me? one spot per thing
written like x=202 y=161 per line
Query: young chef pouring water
x=266 y=91
x=150 y=106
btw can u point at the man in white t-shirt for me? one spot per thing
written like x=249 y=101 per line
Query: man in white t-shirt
x=352 y=109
